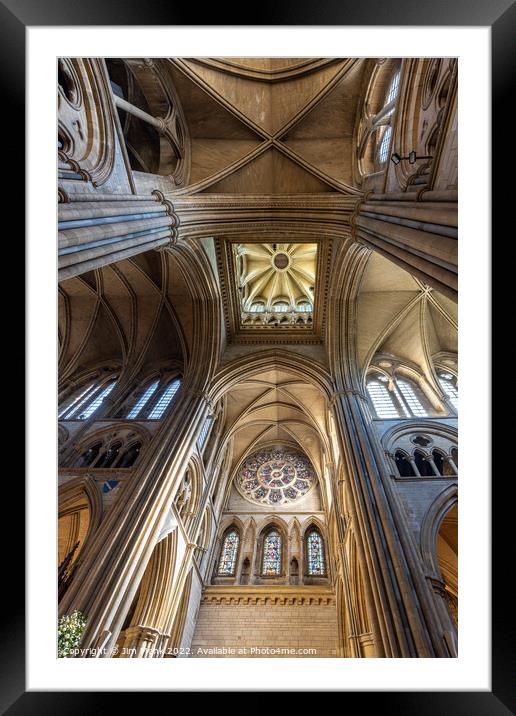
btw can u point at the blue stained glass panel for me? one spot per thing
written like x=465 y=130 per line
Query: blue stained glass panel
x=228 y=557
x=272 y=554
x=315 y=554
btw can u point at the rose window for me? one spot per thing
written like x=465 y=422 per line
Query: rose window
x=275 y=476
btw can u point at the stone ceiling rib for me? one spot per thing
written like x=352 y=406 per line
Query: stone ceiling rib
x=185 y=68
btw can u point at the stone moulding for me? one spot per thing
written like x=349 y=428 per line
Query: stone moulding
x=265 y=595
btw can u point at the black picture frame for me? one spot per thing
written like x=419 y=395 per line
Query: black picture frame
x=500 y=16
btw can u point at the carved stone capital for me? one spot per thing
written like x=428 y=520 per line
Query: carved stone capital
x=205 y=397
x=437 y=586
x=344 y=393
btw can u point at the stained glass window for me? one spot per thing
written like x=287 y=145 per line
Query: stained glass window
x=304 y=307
x=229 y=553
x=276 y=475
x=315 y=554
x=272 y=553
x=401 y=401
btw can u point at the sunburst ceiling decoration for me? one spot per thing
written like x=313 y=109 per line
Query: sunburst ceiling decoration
x=276 y=277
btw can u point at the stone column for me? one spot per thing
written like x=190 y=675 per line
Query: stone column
x=404 y=618
x=156 y=595
x=150 y=630
x=109 y=571
x=416 y=230
x=342 y=561
x=172 y=611
x=99 y=229
x=442 y=601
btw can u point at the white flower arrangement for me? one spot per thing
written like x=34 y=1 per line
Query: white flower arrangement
x=70 y=629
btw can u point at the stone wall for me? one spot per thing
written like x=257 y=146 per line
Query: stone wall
x=257 y=622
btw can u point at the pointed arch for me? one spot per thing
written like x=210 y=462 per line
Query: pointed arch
x=315 y=549
x=229 y=551
x=271 y=548
x=446 y=500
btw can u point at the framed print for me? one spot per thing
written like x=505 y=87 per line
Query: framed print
x=272 y=258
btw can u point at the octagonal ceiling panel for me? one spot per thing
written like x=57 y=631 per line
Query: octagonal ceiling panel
x=276 y=278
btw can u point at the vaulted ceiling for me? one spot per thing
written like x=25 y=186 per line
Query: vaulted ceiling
x=276 y=406
x=272 y=274
x=398 y=315
x=135 y=314
x=281 y=126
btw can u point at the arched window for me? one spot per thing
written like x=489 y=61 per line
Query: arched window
x=204 y=432
x=375 y=127
x=257 y=308
x=405 y=469
x=437 y=457
x=413 y=402
x=78 y=401
x=89 y=457
x=383 y=149
x=316 y=563
x=109 y=457
x=280 y=307
x=138 y=407
x=130 y=455
x=118 y=448
x=449 y=387
x=88 y=401
x=229 y=553
x=393 y=88
x=383 y=399
x=304 y=307
x=395 y=397
x=271 y=559
x=422 y=464
x=151 y=146
x=164 y=400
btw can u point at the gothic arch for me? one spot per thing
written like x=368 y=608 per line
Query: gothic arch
x=79 y=493
x=100 y=372
x=124 y=432
x=305 y=368
x=419 y=425
x=228 y=524
x=205 y=344
x=314 y=523
x=151 y=621
x=270 y=524
x=431 y=524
